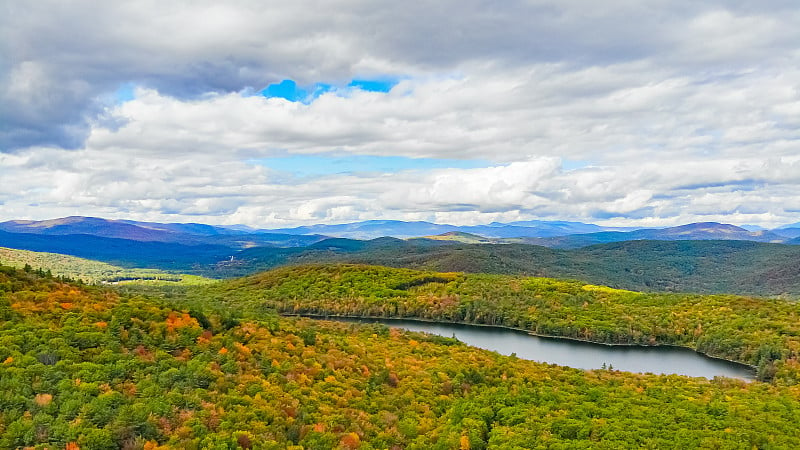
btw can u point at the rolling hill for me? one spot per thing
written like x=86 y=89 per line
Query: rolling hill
x=466 y=238
x=694 y=231
x=742 y=267
x=511 y=234
x=731 y=327
x=683 y=259
x=87 y=270
x=87 y=367
x=789 y=233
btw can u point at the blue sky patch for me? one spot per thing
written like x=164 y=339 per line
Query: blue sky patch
x=373 y=85
x=320 y=165
x=286 y=89
x=125 y=93
x=289 y=90
x=568 y=164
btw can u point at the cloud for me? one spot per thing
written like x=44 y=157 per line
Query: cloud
x=210 y=188
x=676 y=110
x=168 y=159
x=606 y=115
x=71 y=55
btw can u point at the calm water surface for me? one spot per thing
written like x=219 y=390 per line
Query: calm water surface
x=581 y=355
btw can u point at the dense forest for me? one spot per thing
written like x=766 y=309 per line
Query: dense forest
x=87 y=367
x=761 y=332
x=732 y=267
x=740 y=267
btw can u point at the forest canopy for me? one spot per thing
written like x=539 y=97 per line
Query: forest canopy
x=90 y=367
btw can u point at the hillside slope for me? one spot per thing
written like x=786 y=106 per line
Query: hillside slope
x=88 y=368
x=742 y=267
x=86 y=270
x=122 y=252
x=745 y=329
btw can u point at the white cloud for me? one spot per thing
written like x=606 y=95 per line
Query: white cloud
x=211 y=189
x=500 y=117
x=186 y=49
x=680 y=110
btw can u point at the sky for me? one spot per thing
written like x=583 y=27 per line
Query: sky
x=275 y=114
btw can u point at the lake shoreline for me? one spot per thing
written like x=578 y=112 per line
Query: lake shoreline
x=521 y=330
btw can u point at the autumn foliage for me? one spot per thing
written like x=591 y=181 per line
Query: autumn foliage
x=154 y=378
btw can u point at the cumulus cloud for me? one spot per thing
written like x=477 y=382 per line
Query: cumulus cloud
x=72 y=54
x=672 y=111
x=501 y=117
x=212 y=189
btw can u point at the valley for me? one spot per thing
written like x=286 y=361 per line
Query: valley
x=376 y=225
x=701 y=258
x=182 y=369
x=162 y=359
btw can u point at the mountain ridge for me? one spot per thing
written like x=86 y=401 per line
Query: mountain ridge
x=740 y=267
x=540 y=232
x=693 y=231
x=175 y=233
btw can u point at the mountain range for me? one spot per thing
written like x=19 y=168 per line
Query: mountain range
x=372 y=229
x=177 y=233
x=547 y=233
x=701 y=257
x=693 y=231
x=86 y=236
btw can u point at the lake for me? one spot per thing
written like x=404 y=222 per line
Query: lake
x=581 y=355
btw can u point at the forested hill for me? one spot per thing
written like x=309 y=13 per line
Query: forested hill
x=86 y=270
x=87 y=368
x=741 y=267
x=756 y=331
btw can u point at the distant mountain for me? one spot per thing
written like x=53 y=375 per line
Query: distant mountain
x=562 y=234
x=89 y=225
x=791 y=225
x=562 y=227
x=179 y=233
x=693 y=232
x=789 y=233
x=515 y=231
x=709 y=231
x=188 y=228
x=753 y=228
x=372 y=229
x=559 y=234
x=743 y=267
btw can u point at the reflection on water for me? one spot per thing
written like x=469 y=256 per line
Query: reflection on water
x=582 y=355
